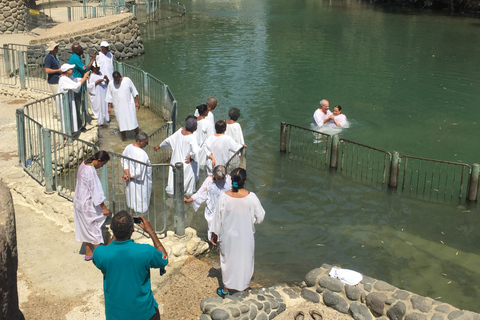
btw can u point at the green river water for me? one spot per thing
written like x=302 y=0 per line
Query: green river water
x=408 y=81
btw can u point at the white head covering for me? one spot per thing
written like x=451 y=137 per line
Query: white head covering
x=66 y=67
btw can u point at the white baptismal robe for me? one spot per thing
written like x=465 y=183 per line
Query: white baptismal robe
x=341 y=119
x=233 y=222
x=203 y=132
x=209 y=192
x=319 y=117
x=182 y=146
x=87 y=213
x=70 y=85
x=97 y=94
x=221 y=147
x=105 y=62
x=209 y=117
x=234 y=130
x=121 y=96
x=139 y=187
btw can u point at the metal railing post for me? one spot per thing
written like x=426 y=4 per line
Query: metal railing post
x=21 y=136
x=394 y=170
x=174 y=116
x=104 y=7
x=94 y=12
x=104 y=180
x=146 y=92
x=47 y=161
x=69 y=14
x=134 y=10
x=283 y=137
x=169 y=128
x=334 y=151
x=179 y=192
x=84 y=9
x=21 y=70
x=121 y=69
x=67 y=119
x=473 y=188
x=6 y=59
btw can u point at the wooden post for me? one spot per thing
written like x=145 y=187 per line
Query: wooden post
x=334 y=151
x=473 y=188
x=283 y=137
x=394 y=169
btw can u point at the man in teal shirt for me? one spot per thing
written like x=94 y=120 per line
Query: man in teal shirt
x=78 y=72
x=126 y=271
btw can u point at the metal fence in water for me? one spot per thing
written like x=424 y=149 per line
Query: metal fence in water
x=427 y=179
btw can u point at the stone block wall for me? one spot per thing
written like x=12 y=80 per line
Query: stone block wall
x=8 y=258
x=121 y=31
x=12 y=16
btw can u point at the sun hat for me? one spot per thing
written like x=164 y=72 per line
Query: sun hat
x=66 y=67
x=51 y=45
x=104 y=44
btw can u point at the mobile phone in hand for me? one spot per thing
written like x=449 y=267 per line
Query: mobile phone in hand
x=137 y=220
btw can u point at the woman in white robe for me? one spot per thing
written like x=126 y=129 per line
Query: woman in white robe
x=209 y=192
x=233 y=228
x=89 y=210
x=234 y=130
x=138 y=177
x=184 y=149
x=97 y=91
x=204 y=131
x=219 y=147
x=337 y=119
x=70 y=85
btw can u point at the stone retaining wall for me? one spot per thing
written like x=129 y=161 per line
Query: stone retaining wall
x=121 y=31
x=368 y=300
x=12 y=16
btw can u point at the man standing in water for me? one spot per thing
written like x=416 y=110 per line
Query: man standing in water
x=123 y=97
x=105 y=60
x=322 y=114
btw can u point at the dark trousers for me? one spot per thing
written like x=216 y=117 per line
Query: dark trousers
x=156 y=316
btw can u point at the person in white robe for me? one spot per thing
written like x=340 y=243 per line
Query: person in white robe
x=212 y=187
x=204 y=131
x=320 y=117
x=234 y=130
x=70 y=85
x=211 y=105
x=89 y=209
x=97 y=91
x=337 y=119
x=137 y=176
x=104 y=59
x=123 y=97
x=184 y=149
x=233 y=229
x=219 y=147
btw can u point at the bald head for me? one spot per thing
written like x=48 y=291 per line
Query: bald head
x=211 y=103
x=77 y=48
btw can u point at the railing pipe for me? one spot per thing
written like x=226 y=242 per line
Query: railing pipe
x=47 y=160
x=94 y=12
x=121 y=69
x=6 y=59
x=283 y=137
x=474 y=178
x=146 y=92
x=394 y=170
x=104 y=7
x=21 y=136
x=169 y=128
x=334 y=151
x=21 y=70
x=174 y=116
x=104 y=180
x=179 y=209
x=134 y=10
x=84 y=9
x=69 y=14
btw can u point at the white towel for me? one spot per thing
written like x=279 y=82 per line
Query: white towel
x=346 y=276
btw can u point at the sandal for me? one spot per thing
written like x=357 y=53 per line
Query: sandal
x=315 y=315
x=299 y=316
x=88 y=258
x=222 y=293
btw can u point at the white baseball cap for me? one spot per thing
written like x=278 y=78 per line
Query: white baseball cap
x=104 y=44
x=66 y=67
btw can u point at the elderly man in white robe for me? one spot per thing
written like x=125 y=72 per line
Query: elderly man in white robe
x=219 y=147
x=70 y=85
x=185 y=149
x=137 y=176
x=322 y=114
x=104 y=60
x=123 y=97
x=211 y=105
x=97 y=91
